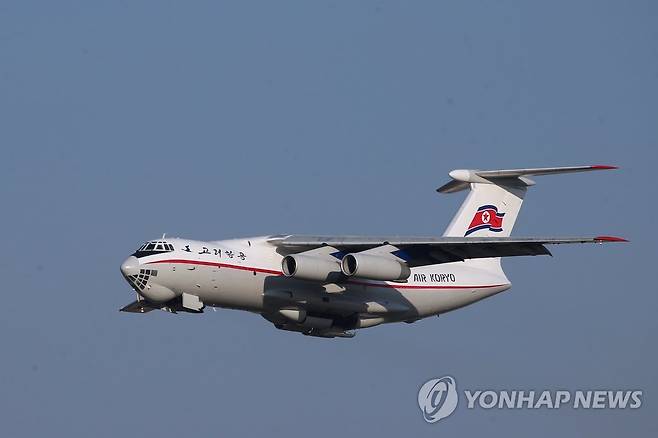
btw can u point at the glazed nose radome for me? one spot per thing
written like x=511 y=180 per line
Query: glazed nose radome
x=130 y=266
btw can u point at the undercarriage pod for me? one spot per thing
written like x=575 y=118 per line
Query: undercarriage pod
x=317 y=322
x=312 y=322
x=295 y=315
x=369 y=322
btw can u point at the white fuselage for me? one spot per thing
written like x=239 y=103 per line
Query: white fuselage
x=328 y=286
x=246 y=274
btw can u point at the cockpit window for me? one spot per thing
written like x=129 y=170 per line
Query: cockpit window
x=153 y=247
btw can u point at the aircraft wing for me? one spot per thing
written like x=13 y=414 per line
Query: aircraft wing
x=421 y=251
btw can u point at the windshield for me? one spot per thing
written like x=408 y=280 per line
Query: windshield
x=153 y=247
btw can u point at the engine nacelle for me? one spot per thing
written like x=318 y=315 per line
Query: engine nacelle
x=374 y=267
x=308 y=267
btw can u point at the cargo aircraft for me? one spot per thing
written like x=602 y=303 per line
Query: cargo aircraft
x=329 y=286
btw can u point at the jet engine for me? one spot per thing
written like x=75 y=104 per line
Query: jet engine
x=374 y=267
x=311 y=267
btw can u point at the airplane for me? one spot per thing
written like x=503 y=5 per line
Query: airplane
x=331 y=286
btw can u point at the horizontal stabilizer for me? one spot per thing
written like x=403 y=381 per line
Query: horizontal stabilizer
x=461 y=178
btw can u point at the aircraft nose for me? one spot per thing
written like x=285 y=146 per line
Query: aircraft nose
x=130 y=266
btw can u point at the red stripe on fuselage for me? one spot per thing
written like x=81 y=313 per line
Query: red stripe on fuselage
x=411 y=286
x=356 y=282
x=218 y=265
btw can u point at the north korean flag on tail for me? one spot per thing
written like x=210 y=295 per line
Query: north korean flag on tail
x=486 y=218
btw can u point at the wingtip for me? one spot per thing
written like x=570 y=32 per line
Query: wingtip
x=609 y=239
x=603 y=167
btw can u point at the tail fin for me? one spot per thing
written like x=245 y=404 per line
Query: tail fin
x=493 y=204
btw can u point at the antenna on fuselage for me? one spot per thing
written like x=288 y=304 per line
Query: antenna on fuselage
x=163 y=235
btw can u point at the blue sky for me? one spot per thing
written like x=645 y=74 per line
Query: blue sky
x=123 y=120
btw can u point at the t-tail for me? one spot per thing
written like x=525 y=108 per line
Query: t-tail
x=495 y=198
